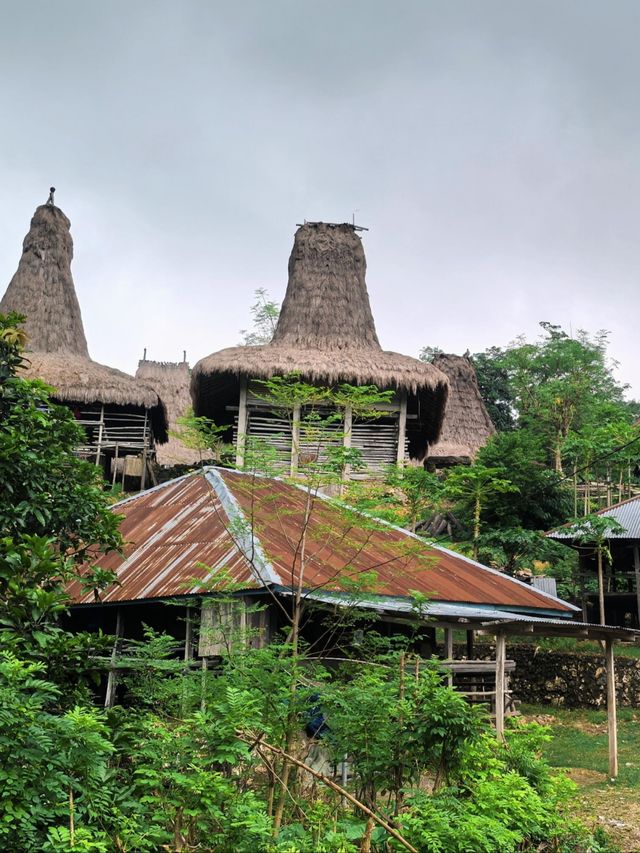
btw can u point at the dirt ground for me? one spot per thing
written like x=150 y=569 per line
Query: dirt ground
x=616 y=809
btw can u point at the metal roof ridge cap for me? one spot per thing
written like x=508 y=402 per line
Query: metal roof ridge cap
x=265 y=574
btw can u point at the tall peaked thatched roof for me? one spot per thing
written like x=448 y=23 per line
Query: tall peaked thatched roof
x=326 y=305
x=43 y=290
x=326 y=333
x=467 y=425
x=171 y=381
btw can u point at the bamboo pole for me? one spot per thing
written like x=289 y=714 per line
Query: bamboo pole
x=501 y=653
x=448 y=652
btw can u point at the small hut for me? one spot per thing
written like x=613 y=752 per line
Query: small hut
x=171 y=380
x=123 y=418
x=467 y=425
x=327 y=335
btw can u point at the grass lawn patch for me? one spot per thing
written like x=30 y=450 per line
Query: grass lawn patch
x=579 y=746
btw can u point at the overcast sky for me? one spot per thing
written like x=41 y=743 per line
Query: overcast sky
x=492 y=148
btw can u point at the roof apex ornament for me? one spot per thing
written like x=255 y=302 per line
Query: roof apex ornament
x=50 y=200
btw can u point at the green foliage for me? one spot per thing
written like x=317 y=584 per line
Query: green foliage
x=202 y=435
x=264 y=319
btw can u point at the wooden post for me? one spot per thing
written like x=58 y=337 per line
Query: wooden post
x=402 y=428
x=100 y=431
x=448 y=652
x=242 y=424
x=110 y=695
x=501 y=653
x=115 y=466
x=295 y=440
x=636 y=568
x=346 y=438
x=600 y=586
x=143 y=475
x=188 y=637
x=611 y=708
x=470 y=651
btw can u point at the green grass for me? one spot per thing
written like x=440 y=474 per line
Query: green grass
x=580 y=740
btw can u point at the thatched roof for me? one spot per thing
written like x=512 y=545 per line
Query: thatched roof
x=43 y=290
x=467 y=425
x=171 y=381
x=326 y=333
x=326 y=306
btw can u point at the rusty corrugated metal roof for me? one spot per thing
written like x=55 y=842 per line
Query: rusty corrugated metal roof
x=185 y=536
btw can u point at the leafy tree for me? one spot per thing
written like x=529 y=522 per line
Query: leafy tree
x=495 y=387
x=264 y=317
x=472 y=487
x=201 y=434
x=52 y=505
x=541 y=499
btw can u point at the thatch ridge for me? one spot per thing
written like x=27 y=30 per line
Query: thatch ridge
x=467 y=425
x=326 y=305
x=171 y=381
x=43 y=289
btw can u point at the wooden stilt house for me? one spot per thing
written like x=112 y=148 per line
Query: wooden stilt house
x=123 y=418
x=325 y=334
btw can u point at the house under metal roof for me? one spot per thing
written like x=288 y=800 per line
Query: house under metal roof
x=209 y=529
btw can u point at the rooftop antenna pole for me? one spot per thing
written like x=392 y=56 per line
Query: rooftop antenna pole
x=184 y=355
x=144 y=354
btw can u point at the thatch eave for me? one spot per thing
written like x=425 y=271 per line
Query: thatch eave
x=383 y=368
x=76 y=379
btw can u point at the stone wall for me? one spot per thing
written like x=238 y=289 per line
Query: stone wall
x=565 y=679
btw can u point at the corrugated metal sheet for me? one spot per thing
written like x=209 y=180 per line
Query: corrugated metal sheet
x=168 y=532
x=340 y=544
x=627 y=513
x=249 y=530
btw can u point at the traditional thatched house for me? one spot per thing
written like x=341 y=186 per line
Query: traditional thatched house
x=171 y=380
x=220 y=542
x=326 y=333
x=467 y=425
x=123 y=417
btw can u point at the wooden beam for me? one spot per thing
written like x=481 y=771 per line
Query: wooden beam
x=402 y=428
x=295 y=439
x=242 y=424
x=612 y=724
x=501 y=654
